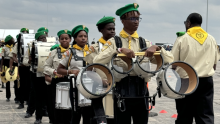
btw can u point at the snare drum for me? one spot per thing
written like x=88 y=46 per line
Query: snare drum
x=42 y=51
x=62 y=95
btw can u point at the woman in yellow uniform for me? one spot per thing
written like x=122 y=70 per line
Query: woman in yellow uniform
x=52 y=78
x=7 y=49
x=80 y=35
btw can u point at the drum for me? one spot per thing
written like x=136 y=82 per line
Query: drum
x=94 y=81
x=177 y=80
x=108 y=105
x=42 y=51
x=52 y=39
x=14 y=75
x=121 y=66
x=62 y=96
x=25 y=39
x=143 y=65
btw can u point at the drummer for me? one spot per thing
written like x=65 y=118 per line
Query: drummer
x=80 y=35
x=38 y=79
x=7 y=49
x=106 y=26
x=51 y=76
x=24 y=81
x=130 y=86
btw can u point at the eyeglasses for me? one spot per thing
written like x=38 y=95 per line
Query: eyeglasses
x=134 y=19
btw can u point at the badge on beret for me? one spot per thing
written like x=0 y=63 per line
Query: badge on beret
x=65 y=31
x=114 y=19
x=135 y=5
x=45 y=28
x=26 y=28
x=84 y=27
x=104 y=48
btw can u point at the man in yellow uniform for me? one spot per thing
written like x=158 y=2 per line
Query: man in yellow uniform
x=131 y=86
x=199 y=49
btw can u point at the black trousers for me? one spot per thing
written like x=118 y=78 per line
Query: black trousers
x=85 y=112
x=8 y=90
x=31 y=104
x=40 y=90
x=135 y=108
x=198 y=105
x=24 y=73
x=57 y=116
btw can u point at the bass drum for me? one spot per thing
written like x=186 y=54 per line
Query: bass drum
x=177 y=80
x=42 y=51
x=94 y=81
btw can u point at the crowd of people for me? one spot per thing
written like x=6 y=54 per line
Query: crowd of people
x=195 y=47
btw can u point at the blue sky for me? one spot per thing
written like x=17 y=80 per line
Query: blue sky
x=161 y=19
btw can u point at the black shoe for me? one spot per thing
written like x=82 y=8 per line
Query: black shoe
x=16 y=102
x=27 y=115
x=51 y=122
x=1 y=91
x=38 y=121
x=21 y=106
x=45 y=114
x=7 y=100
x=152 y=114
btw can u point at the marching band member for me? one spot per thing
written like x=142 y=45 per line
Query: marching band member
x=130 y=85
x=24 y=81
x=1 y=46
x=199 y=49
x=106 y=26
x=9 y=43
x=80 y=35
x=38 y=79
x=50 y=70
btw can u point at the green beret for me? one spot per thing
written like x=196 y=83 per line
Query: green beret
x=38 y=34
x=64 y=32
x=8 y=38
x=24 y=29
x=54 y=47
x=43 y=29
x=79 y=28
x=106 y=20
x=127 y=8
x=179 y=34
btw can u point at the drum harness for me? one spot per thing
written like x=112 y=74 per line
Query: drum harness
x=120 y=96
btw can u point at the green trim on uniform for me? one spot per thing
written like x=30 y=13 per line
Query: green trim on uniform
x=64 y=32
x=54 y=47
x=179 y=34
x=127 y=8
x=79 y=28
x=106 y=20
x=38 y=34
x=43 y=29
x=8 y=38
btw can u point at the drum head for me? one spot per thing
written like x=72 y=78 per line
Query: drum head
x=181 y=78
x=122 y=64
x=97 y=79
x=150 y=65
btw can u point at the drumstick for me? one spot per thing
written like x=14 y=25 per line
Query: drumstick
x=139 y=54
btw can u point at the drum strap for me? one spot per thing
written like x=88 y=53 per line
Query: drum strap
x=73 y=95
x=33 y=56
x=142 y=42
x=18 y=48
x=59 y=53
x=77 y=58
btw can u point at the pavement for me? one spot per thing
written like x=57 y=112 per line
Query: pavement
x=10 y=115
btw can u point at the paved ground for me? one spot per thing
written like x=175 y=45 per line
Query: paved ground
x=10 y=115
